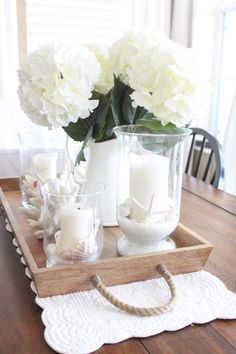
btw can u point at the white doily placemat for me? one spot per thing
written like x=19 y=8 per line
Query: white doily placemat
x=82 y=322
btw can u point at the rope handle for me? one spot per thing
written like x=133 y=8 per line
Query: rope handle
x=141 y=311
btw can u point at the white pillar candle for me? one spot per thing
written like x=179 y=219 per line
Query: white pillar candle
x=149 y=180
x=76 y=225
x=44 y=166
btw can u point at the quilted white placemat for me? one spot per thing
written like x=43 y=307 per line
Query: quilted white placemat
x=82 y=322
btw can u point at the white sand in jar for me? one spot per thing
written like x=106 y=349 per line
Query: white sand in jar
x=151 y=229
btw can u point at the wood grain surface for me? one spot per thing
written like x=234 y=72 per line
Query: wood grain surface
x=209 y=212
x=215 y=196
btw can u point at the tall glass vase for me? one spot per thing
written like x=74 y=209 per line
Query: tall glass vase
x=149 y=187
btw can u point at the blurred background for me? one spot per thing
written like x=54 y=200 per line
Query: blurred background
x=209 y=27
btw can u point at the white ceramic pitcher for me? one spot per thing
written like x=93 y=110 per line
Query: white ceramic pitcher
x=101 y=166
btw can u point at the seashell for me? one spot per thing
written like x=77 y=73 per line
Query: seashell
x=39 y=234
x=82 y=251
x=36 y=201
x=133 y=209
x=32 y=212
x=66 y=185
x=125 y=209
x=138 y=211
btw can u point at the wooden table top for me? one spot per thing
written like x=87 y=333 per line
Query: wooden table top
x=208 y=211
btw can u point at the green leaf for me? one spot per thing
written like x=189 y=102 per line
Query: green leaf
x=103 y=116
x=98 y=125
x=80 y=157
x=140 y=113
x=117 y=97
x=128 y=111
x=154 y=124
x=79 y=130
x=109 y=125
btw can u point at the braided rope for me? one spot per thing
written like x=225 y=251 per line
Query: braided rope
x=141 y=311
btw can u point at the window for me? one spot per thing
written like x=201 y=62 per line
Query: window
x=225 y=70
x=76 y=21
x=101 y=21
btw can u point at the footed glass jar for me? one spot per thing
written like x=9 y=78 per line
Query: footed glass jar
x=149 y=187
x=72 y=220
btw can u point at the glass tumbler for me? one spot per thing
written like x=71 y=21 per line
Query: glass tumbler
x=73 y=230
x=42 y=157
x=149 y=187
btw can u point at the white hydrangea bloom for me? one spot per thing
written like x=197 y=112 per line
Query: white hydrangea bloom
x=105 y=80
x=161 y=73
x=124 y=50
x=56 y=83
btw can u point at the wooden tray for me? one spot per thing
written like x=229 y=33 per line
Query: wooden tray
x=190 y=255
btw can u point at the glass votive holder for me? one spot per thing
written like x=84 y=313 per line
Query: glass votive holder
x=42 y=158
x=73 y=230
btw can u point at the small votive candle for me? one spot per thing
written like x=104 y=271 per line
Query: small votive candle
x=76 y=225
x=44 y=166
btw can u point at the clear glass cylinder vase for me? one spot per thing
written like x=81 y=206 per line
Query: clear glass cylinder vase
x=149 y=187
x=72 y=221
x=42 y=158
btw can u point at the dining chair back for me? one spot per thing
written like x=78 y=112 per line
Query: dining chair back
x=207 y=163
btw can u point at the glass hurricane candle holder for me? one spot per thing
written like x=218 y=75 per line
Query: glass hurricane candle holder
x=149 y=187
x=72 y=220
x=42 y=158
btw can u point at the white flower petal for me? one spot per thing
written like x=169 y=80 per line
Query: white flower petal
x=56 y=84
